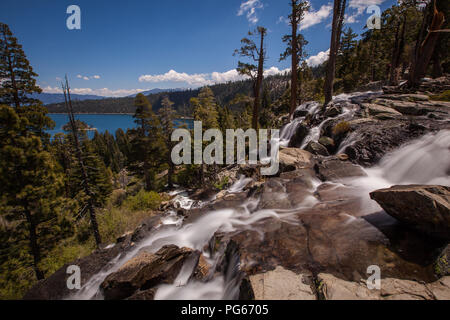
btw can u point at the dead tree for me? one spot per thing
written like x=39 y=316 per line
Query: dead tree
x=90 y=205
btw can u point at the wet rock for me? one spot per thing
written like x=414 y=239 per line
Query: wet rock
x=407 y=97
x=328 y=143
x=145 y=272
x=146 y=227
x=298 y=137
x=375 y=109
x=299 y=113
x=332 y=111
x=333 y=288
x=334 y=169
x=373 y=139
x=316 y=148
x=342 y=157
x=423 y=207
x=55 y=286
x=410 y=108
x=291 y=159
x=281 y=284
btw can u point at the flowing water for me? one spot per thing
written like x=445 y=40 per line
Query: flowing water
x=425 y=161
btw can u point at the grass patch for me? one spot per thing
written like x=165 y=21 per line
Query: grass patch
x=444 y=96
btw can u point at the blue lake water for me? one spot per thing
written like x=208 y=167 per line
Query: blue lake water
x=104 y=122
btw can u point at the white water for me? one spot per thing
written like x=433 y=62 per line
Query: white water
x=425 y=161
x=313 y=108
x=195 y=235
x=240 y=184
x=422 y=161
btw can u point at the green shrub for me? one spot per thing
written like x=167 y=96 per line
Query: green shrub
x=222 y=184
x=143 y=200
x=444 y=96
x=341 y=128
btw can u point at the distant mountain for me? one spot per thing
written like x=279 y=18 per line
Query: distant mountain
x=224 y=93
x=157 y=90
x=48 y=98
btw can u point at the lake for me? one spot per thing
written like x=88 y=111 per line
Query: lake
x=104 y=122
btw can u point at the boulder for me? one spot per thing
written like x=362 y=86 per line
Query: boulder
x=300 y=133
x=334 y=169
x=328 y=143
x=333 y=288
x=423 y=207
x=145 y=272
x=410 y=108
x=299 y=113
x=332 y=112
x=281 y=284
x=375 y=109
x=292 y=159
x=316 y=148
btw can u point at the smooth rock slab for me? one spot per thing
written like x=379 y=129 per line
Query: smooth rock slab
x=281 y=284
x=332 y=288
x=423 y=207
x=145 y=272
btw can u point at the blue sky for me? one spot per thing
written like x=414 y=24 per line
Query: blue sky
x=127 y=46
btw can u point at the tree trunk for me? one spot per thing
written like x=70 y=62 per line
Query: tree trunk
x=399 y=44
x=294 y=57
x=424 y=50
x=259 y=79
x=170 y=171
x=35 y=251
x=84 y=175
x=338 y=16
x=437 y=67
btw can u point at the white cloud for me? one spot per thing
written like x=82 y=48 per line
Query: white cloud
x=314 y=17
x=231 y=75
x=202 y=79
x=274 y=70
x=173 y=76
x=79 y=76
x=362 y=5
x=359 y=8
x=104 y=92
x=249 y=8
x=318 y=59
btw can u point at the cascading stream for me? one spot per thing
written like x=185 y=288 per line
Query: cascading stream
x=422 y=161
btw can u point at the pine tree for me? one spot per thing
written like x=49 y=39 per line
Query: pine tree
x=205 y=110
x=18 y=83
x=295 y=47
x=146 y=142
x=255 y=69
x=167 y=116
x=18 y=77
x=30 y=185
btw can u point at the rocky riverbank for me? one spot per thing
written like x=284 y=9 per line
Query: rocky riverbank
x=312 y=231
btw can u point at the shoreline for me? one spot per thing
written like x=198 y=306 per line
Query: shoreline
x=119 y=114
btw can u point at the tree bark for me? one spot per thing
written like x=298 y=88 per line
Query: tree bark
x=294 y=58
x=424 y=50
x=259 y=79
x=84 y=175
x=338 y=16
x=35 y=251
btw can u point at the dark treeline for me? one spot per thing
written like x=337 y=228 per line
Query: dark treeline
x=224 y=92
